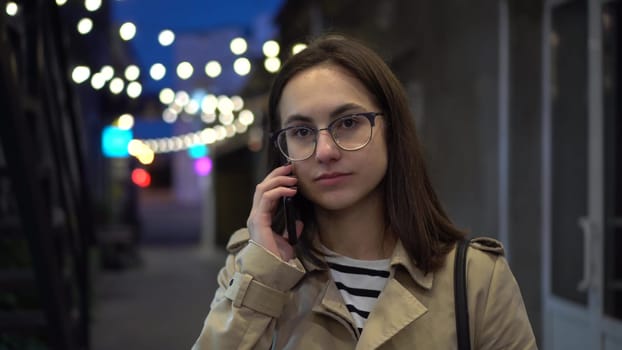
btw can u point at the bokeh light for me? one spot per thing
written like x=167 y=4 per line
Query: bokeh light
x=271 y=48
x=127 y=31
x=85 y=25
x=11 y=8
x=203 y=166
x=157 y=71
x=242 y=66
x=166 y=37
x=238 y=46
x=213 y=69
x=80 y=74
x=166 y=96
x=298 y=47
x=132 y=72
x=184 y=70
x=92 y=5
x=141 y=177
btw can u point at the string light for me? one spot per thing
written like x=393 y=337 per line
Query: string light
x=134 y=89
x=221 y=110
x=242 y=66
x=127 y=31
x=272 y=64
x=184 y=70
x=132 y=72
x=116 y=85
x=166 y=96
x=80 y=74
x=238 y=46
x=85 y=26
x=98 y=81
x=11 y=8
x=92 y=5
x=271 y=48
x=213 y=69
x=166 y=37
x=157 y=71
x=298 y=47
x=125 y=122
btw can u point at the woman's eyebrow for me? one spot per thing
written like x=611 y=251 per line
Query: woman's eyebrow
x=297 y=118
x=347 y=107
x=337 y=112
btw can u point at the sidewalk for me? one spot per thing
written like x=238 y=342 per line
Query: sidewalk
x=158 y=305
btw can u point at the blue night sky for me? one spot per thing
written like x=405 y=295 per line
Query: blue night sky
x=251 y=19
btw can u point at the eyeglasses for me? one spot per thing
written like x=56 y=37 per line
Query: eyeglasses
x=350 y=132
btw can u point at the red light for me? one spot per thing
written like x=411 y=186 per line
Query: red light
x=141 y=177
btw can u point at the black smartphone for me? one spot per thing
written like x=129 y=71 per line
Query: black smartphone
x=290 y=219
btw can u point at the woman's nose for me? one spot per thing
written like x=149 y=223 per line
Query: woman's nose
x=326 y=148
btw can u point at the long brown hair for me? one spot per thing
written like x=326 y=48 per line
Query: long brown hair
x=412 y=209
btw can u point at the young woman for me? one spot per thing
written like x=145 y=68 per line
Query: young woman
x=373 y=268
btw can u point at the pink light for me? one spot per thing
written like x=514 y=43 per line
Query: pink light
x=202 y=166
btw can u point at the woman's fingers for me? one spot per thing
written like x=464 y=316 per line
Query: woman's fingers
x=277 y=184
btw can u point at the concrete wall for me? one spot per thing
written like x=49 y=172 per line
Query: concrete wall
x=450 y=64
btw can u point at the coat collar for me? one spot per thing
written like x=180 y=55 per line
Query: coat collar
x=396 y=308
x=399 y=257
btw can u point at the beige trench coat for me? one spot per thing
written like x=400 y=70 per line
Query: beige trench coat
x=265 y=303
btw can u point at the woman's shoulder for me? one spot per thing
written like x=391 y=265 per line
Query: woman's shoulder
x=487 y=245
x=485 y=258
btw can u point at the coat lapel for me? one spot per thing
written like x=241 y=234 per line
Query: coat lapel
x=330 y=303
x=396 y=308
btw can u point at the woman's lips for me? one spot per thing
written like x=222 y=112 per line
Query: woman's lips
x=331 y=179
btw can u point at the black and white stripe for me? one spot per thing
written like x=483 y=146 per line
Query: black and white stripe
x=360 y=283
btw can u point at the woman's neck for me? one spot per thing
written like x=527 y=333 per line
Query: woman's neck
x=358 y=232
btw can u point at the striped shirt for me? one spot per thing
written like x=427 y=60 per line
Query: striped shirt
x=359 y=282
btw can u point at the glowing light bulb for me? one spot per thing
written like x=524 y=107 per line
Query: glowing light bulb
x=132 y=72
x=134 y=89
x=116 y=85
x=92 y=5
x=242 y=66
x=98 y=81
x=238 y=46
x=127 y=31
x=85 y=26
x=80 y=74
x=271 y=48
x=213 y=69
x=167 y=96
x=125 y=122
x=11 y=8
x=272 y=64
x=184 y=70
x=166 y=37
x=157 y=71
x=298 y=47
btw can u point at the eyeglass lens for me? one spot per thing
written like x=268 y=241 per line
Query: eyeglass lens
x=349 y=133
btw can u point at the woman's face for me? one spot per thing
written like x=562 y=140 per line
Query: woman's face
x=332 y=178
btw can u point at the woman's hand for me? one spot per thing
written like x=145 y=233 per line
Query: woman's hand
x=268 y=193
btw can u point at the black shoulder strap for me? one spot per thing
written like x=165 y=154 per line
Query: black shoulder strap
x=460 y=296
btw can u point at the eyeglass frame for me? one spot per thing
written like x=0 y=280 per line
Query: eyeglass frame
x=371 y=116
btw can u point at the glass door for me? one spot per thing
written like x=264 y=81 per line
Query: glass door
x=582 y=201
x=612 y=117
x=568 y=227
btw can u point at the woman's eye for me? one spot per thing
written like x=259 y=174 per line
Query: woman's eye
x=301 y=132
x=348 y=123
